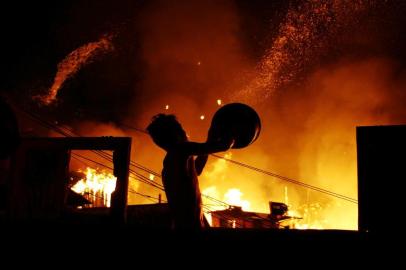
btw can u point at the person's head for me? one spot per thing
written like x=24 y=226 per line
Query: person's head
x=166 y=131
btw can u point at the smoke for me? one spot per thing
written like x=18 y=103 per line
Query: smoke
x=309 y=89
x=309 y=135
x=192 y=55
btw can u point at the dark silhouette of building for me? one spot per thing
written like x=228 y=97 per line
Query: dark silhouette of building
x=381 y=154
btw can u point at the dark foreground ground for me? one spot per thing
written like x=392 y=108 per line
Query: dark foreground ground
x=299 y=249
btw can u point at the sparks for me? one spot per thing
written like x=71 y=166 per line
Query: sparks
x=219 y=102
x=73 y=62
x=202 y=117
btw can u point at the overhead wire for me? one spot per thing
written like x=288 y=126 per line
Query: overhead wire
x=156 y=185
x=291 y=180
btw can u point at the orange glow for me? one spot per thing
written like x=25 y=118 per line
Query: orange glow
x=322 y=150
x=97 y=187
x=233 y=197
x=305 y=214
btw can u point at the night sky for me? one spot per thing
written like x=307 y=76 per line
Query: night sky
x=37 y=35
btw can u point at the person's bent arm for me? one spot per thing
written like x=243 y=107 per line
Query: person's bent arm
x=198 y=149
x=200 y=162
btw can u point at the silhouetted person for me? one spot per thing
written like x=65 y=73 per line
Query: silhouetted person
x=180 y=169
x=9 y=140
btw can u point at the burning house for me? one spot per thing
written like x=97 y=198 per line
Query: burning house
x=41 y=188
x=235 y=217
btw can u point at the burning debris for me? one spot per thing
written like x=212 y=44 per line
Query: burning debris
x=236 y=217
x=233 y=197
x=96 y=187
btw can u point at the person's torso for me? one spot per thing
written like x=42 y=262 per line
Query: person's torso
x=180 y=180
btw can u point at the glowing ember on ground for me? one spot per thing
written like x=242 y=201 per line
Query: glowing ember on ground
x=97 y=187
x=72 y=63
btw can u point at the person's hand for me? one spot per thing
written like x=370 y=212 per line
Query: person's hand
x=226 y=142
x=220 y=139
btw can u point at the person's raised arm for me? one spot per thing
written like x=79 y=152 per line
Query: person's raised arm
x=209 y=147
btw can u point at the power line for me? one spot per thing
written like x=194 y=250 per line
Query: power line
x=129 y=190
x=337 y=195
x=105 y=155
x=293 y=181
x=205 y=206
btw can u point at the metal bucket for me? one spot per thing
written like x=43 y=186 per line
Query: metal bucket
x=238 y=121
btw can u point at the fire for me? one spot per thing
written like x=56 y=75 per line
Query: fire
x=233 y=197
x=97 y=187
x=202 y=117
x=167 y=107
x=73 y=62
x=219 y=102
x=303 y=215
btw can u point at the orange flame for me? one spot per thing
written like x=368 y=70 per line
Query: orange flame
x=233 y=197
x=307 y=215
x=97 y=187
